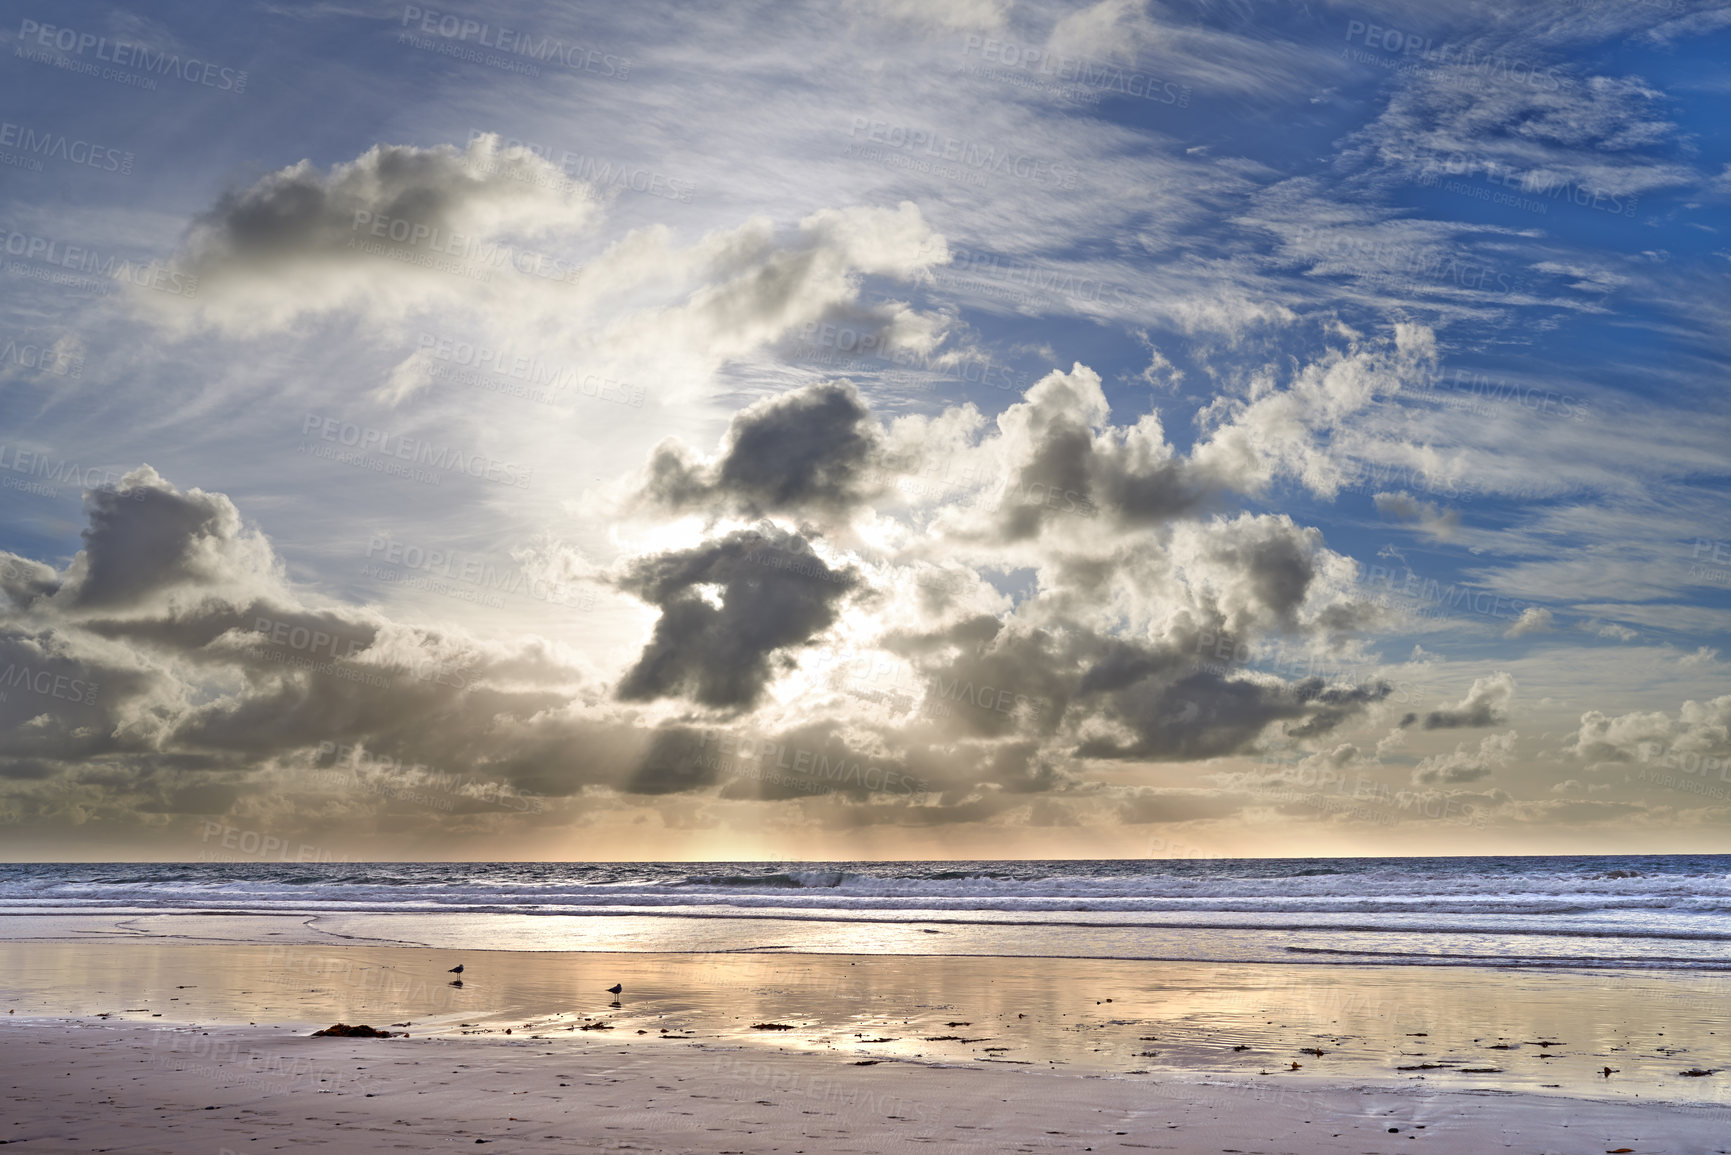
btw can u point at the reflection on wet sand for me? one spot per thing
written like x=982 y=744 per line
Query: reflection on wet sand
x=1604 y=1036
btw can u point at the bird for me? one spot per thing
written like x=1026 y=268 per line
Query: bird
x=456 y=970
x=615 y=988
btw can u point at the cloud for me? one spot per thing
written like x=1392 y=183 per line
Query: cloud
x=1442 y=524
x=172 y=668
x=1203 y=715
x=222 y=681
x=499 y=239
x=1061 y=463
x=1575 y=786
x=1614 y=631
x=1106 y=30
x=730 y=611
x=810 y=451
x=396 y=228
x=1700 y=731
x=1486 y=704
x=1453 y=120
x=147 y=539
x=1533 y=620
x=1160 y=373
x=1304 y=432
x=1464 y=764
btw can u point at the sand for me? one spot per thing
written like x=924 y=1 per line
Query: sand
x=131 y=1088
x=150 y=1045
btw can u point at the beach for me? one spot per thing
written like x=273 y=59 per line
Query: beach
x=867 y=1007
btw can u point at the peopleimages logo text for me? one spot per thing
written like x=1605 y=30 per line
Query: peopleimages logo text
x=514 y=42
x=1078 y=70
x=418 y=450
x=127 y=55
x=59 y=146
x=86 y=261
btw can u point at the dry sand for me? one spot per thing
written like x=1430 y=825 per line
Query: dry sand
x=131 y=1088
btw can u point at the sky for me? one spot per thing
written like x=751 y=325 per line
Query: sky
x=865 y=429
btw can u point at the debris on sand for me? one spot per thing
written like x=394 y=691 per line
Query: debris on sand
x=344 y=1031
x=773 y=1027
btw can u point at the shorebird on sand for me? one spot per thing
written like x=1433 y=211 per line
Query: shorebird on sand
x=615 y=988
x=456 y=970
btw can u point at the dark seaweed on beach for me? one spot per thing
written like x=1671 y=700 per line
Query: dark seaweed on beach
x=344 y=1031
x=773 y=1027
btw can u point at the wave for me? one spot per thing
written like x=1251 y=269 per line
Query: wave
x=802 y=880
x=1640 y=895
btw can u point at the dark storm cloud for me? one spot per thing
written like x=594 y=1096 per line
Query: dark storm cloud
x=1204 y=715
x=144 y=538
x=1014 y=681
x=678 y=759
x=775 y=595
x=812 y=450
x=27 y=769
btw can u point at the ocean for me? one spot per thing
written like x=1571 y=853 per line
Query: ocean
x=1630 y=912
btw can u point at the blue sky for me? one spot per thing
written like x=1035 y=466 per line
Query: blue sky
x=1308 y=420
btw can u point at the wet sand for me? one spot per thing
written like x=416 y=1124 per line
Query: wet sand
x=1459 y=1027
x=991 y=1051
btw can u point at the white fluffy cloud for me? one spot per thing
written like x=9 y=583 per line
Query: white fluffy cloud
x=1700 y=731
x=498 y=242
